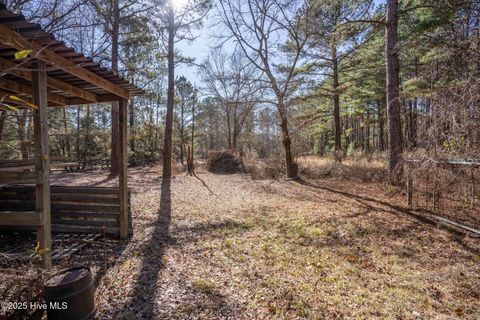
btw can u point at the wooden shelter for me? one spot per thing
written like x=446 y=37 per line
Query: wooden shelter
x=38 y=71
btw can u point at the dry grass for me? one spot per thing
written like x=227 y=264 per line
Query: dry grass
x=363 y=169
x=326 y=248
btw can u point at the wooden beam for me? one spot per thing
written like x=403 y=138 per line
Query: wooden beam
x=42 y=164
x=19 y=218
x=103 y=98
x=11 y=68
x=14 y=40
x=28 y=90
x=5 y=96
x=123 y=174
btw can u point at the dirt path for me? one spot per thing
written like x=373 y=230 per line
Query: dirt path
x=228 y=247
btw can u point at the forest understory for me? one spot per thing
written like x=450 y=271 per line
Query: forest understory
x=229 y=247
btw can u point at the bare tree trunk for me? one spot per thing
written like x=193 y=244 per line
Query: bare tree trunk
x=77 y=142
x=345 y=128
x=182 y=133
x=367 y=132
x=229 y=127
x=156 y=137
x=190 y=159
x=21 y=122
x=167 y=146
x=131 y=121
x=115 y=152
x=414 y=124
x=66 y=133
x=152 y=140
x=336 y=108
x=234 y=140
x=395 y=172
x=87 y=138
x=287 y=142
x=381 y=126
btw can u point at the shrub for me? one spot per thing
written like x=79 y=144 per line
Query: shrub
x=270 y=168
x=226 y=161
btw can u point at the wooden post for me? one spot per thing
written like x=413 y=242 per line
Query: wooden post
x=410 y=191
x=472 y=200
x=436 y=195
x=122 y=166
x=42 y=161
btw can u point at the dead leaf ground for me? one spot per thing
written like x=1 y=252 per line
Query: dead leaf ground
x=228 y=247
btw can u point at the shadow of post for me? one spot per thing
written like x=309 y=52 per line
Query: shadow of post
x=142 y=299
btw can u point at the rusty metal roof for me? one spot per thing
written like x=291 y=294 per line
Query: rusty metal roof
x=34 y=33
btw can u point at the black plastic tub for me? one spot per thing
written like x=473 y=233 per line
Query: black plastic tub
x=69 y=295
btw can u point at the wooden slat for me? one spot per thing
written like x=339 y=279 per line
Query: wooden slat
x=65 y=189
x=66 y=228
x=18 y=177
x=83 y=198
x=85 y=190
x=69 y=211
x=101 y=208
x=19 y=218
x=16 y=162
x=10 y=67
x=66 y=197
x=85 y=223
x=19 y=205
x=13 y=39
x=88 y=215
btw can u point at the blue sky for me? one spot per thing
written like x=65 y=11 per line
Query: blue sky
x=200 y=47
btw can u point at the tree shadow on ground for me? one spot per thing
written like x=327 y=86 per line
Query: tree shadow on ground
x=202 y=300
x=103 y=181
x=457 y=236
x=203 y=231
x=142 y=300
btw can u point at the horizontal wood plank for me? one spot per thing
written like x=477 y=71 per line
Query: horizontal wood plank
x=85 y=223
x=19 y=218
x=19 y=177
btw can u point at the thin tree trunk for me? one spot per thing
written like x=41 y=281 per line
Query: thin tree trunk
x=381 y=126
x=345 y=128
x=131 y=120
x=115 y=152
x=167 y=146
x=182 y=133
x=66 y=133
x=21 y=122
x=229 y=127
x=336 y=108
x=77 y=141
x=287 y=142
x=395 y=172
x=87 y=138
x=414 y=124
x=367 y=132
x=190 y=161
